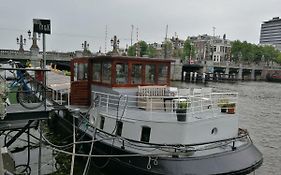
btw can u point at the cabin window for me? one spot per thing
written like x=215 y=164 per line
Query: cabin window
x=136 y=73
x=150 y=76
x=102 y=119
x=80 y=71
x=145 y=134
x=96 y=71
x=162 y=73
x=106 y=72
x=119 y=126
x=121 y=73
x=75 y=71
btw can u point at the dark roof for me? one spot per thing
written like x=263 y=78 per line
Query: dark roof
x=191 y=67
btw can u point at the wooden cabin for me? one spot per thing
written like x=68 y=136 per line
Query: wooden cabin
x=115 y=72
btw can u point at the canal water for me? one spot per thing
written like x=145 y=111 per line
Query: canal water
x=259 y=108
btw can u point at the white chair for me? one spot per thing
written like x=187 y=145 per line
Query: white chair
x=207 y=97
x=197 y=92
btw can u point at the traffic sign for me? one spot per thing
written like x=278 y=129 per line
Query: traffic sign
x=42 y=26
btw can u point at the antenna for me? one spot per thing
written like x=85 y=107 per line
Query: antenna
x=165 y=44
x=166 y=32
x=105 y=40
x=137 y=48
x=214 y=31
x=132 y=31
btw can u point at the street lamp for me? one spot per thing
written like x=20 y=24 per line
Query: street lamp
x=85 y=46
x=21 y=41
x=34 y=39
x=115 y=44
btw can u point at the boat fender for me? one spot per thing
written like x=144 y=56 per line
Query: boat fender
x=148 y=166
x=91 y=117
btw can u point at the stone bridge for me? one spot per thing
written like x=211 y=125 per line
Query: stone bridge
x=238 y=71
x=27 y=55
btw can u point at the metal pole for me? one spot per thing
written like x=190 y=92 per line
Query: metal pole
x=44 y=72
x=44 y=51
x=40 y=151
x=40 y=137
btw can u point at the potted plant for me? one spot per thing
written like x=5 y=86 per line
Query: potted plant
x=181 y=110
x=223 y=104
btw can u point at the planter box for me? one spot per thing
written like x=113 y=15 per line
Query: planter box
x=181 y=115
x=231 y=110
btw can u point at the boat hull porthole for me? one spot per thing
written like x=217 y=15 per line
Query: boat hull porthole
x=214 y=131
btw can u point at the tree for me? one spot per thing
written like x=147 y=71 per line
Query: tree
x=270 y=53
x=188 y=50
x=278 y=59
x=132 y=50
x=236 y=47
x=243 y=51
x=143 y=48
x=151 y=51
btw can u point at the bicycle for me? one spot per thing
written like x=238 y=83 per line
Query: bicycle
x=30 y=93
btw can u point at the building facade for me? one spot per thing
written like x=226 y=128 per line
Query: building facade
x=211 y=48
x=271 y=32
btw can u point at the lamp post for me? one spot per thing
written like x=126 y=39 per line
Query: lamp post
x=34 y=49
x=21 y=41
x=34 y=39
x=115 y=44
x=85 y=46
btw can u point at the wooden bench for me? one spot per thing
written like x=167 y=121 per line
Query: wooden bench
x=149 y=97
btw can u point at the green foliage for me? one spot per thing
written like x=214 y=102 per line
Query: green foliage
x=222 y=102
x=167 y=48
x=143 y=48
x=132 y=51
x=278 y=59
x=151 y=51
x=188 y=50
x=183 y=104
x=247 y=52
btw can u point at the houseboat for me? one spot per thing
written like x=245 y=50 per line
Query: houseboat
x=142 y=125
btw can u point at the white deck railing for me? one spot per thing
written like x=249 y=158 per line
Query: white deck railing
x=113 y=104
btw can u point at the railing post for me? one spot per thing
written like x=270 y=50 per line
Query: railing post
x=107 y=101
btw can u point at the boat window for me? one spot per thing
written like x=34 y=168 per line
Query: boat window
x=75 y=71
x=80 y=71
x=106 y=72
x=145 y=134
x=150 y=76
x=119 y=126
x=96 y=71
x=121 y=73
x=162 y=73
x=102 y=119
x=136 y=73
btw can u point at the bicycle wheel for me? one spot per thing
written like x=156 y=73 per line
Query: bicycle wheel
x=31 y=94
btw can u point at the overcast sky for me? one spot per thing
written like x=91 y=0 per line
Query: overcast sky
x=74 y=21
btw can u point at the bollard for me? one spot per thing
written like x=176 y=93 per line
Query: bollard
x=195 y=77
x=203 y=77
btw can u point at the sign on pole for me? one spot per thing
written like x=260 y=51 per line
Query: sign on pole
x=42 y=26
